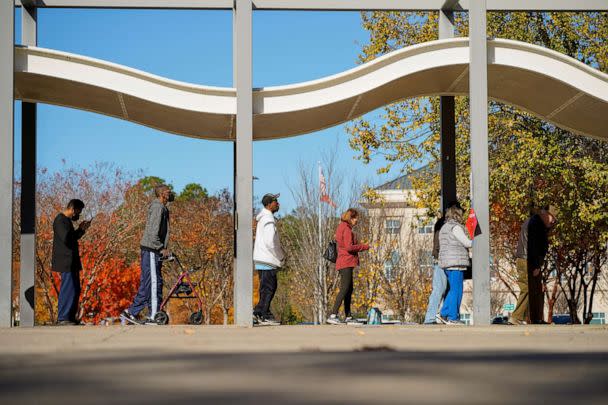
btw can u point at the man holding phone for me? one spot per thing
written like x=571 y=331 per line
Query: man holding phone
x=66 y=260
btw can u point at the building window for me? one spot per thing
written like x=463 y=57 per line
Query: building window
x=425 y=226
x=599 y=318
x=466 y=318
x=426 y=260
x=393 y=226
x=391 y=264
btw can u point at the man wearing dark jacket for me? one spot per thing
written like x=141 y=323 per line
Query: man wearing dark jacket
x=154 y=243
x=532 y=248
x=66 y=260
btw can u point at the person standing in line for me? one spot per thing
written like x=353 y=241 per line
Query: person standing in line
x=440 y=280
x=153 y=246
x=268 y=256
x=348 y=259
x=532 y=248
x=66 y=260
x=454 y=247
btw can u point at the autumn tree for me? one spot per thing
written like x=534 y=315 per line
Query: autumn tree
x=532 y=163
x=117 y=203
x=202 y=237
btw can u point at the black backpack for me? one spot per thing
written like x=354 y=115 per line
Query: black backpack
x=331 y=252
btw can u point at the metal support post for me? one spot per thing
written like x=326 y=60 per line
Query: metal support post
x=478 y=89
x=28 y=186
x=7 y=42
x=448 y=124
x=243 y=161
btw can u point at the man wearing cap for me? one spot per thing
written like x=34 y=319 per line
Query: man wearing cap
x=531 y=251
x=268 y=257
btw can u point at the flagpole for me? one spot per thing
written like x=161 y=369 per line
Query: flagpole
x=319 y=272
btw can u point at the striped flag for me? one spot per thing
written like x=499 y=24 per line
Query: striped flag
x=324 y=194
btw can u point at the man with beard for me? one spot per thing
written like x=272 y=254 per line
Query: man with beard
x=531 y=251
x=268 y=256
x=66 y=260
x=153 y=245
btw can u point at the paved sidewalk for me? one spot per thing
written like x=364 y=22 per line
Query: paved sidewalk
x=305 y=364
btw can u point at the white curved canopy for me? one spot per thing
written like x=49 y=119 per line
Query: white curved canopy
x=550 y=85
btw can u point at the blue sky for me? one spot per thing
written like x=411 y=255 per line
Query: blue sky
x=196 y=46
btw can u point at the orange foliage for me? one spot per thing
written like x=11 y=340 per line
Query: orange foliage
x=201 y=235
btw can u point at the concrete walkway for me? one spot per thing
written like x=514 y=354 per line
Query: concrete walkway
x=305 y=364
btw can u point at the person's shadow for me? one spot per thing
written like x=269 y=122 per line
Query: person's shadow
x=29 y=296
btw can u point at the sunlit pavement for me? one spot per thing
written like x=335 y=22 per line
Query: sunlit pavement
x=305 y=364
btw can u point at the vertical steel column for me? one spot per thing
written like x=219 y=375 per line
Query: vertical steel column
x=28 y=185
x=7 y=56
x=478 y=88
x=243 y=160
x=448 y=124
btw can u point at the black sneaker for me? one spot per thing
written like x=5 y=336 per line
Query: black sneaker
x=258 y=319
x=128 y=318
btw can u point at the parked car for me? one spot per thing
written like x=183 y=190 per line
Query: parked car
x=562 y=319
x=500 y=320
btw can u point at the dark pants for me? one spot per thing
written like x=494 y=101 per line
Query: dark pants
x=531 y=301
x=268 y=287
x=346 y=291
x=68 y=296
x=536 y=297
x=150 y=293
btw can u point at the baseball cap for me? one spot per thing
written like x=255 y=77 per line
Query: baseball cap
x=269 y=198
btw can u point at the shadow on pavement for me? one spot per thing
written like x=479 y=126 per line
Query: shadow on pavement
x=373 y=376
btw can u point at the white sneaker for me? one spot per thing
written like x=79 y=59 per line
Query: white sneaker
x=150 y=321
x=269 y=322
x=458 y=322
x=352 y=321
x=334 y=320
x=441 y=319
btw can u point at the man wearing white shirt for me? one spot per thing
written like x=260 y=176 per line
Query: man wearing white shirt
x=268 y=257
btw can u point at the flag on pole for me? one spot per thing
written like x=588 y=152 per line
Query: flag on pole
x=473 y=225
x=323 y=193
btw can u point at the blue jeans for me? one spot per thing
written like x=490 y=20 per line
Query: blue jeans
x=451 y=304
x=150 y=292
x=440 y=284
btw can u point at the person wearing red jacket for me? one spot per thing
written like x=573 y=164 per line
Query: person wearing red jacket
x=348 y=259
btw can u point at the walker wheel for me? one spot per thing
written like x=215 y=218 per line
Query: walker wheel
x=161 y=318
x=196 y=318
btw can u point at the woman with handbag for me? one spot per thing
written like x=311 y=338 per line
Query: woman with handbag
x=454 y=247
x=348 y=259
